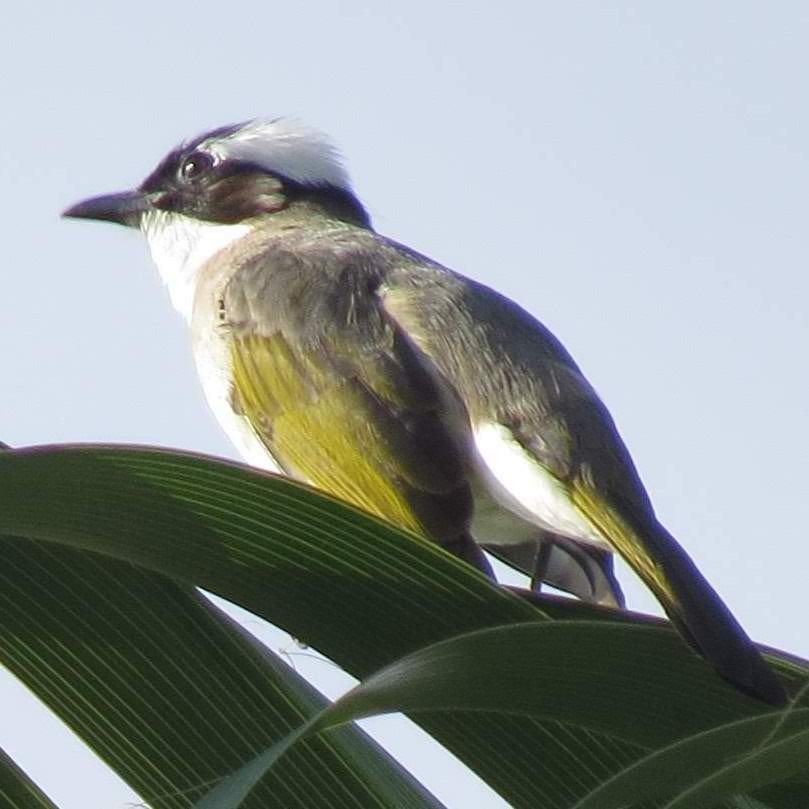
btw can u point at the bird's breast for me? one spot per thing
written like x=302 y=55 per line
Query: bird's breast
x=211 y=336
x=181 y=247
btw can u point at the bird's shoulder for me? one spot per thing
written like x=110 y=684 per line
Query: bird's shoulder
x=303 y=282
x=312 y=300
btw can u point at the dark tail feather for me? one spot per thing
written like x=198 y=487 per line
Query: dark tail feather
x=708 y=625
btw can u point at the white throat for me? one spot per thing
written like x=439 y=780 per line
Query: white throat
x=180 y=246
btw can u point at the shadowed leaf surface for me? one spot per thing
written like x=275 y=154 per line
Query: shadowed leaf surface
x=168 y=690
x=17 y=791
x=366 y=594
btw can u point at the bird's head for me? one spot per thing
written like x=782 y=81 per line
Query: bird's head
x=233 y=174
x=220 y=185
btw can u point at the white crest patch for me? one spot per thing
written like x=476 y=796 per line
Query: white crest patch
x=286 y=147
x=180 y=246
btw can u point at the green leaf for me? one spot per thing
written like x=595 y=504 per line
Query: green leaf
x=366 y=594
x=677 y=768
x=768 y=763
x=554 y=675
x=17 y=790
x=168 y=690
x=233 y=791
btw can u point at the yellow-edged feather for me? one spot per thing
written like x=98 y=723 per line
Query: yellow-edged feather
x=622 y=538
x=319 y=426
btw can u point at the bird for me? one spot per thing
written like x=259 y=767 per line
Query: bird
x=341 y=358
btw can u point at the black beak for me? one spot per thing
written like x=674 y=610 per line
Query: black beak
x=125 y=208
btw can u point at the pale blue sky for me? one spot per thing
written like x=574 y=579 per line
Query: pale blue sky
x=635 y=176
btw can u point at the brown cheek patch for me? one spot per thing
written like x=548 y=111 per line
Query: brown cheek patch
x=270 y=203
x=235 y=198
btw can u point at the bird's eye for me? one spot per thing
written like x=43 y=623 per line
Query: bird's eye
x=195 y=165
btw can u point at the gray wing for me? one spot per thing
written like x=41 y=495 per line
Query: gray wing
x=511 y=372
x=337 y=395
